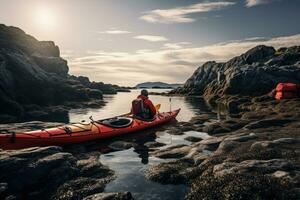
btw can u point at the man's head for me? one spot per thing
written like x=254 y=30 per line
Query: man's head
x=144 y=93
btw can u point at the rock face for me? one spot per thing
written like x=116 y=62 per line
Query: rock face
x=253 y=73
x=50 y=173
x=33 y=73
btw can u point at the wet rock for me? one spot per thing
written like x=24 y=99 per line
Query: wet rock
x=253 y=116
x=200 y=119
x=120 y=145
x=174 y=172
x=199 y=128
x=260 y=145
x=226 y=145
x=193 y=139
x=185 y=128
x=90 y=166
x=212 y=143
x=154 y=144
x=242 y=138
x=177 y=151
x=199 y=158
x=240 y=186
x=286 y=141
x=234 y=124
x=110 y=196
x=224 y=126
x=267 y=123
x=175 y=131
x=184 y=124
x=215 y=128
x=66 y=177
x=266 y=166
x=79 y=188
x=275 y=143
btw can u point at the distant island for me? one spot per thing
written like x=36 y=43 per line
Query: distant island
x=158 y=85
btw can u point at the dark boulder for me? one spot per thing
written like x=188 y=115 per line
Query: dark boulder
x=50 y=173
x=253 y=73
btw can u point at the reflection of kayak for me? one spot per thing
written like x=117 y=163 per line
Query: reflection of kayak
x=76 y=133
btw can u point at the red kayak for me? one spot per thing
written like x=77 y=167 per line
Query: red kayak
x=76 y=133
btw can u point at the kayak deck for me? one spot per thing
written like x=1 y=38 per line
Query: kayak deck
x=76 y=133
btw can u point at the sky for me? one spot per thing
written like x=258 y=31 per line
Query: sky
x=127 y=42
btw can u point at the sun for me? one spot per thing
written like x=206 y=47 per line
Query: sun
x=45 y=19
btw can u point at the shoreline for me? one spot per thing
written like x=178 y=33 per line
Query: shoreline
x=249 y=146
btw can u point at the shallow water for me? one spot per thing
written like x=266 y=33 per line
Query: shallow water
x=121 y=104
x=129 y=165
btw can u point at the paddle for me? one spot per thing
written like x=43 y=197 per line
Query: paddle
x=157 y=107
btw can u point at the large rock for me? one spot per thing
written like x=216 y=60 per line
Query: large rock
x=254 y=73
x=32 y=72
x=267 y=166
x=41 y=173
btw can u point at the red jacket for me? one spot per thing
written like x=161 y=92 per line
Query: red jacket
x=148 y=103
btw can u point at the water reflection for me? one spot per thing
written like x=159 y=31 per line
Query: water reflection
x=121 y=103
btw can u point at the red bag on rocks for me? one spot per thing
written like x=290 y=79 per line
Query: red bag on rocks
x=286 y=91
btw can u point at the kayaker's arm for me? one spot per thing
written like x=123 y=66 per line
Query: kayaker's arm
x=151 y=106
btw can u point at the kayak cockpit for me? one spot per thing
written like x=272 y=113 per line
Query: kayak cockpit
x=116 y=122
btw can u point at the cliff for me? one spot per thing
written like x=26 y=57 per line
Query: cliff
x=253 y=73
x=33 y=75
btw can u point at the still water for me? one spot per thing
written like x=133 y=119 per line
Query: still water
x=129 y=165
x=121 y=103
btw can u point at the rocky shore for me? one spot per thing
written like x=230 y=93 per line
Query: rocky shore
x=35 y=84
x=254 y=155
x=50 y=173
x=255 y=152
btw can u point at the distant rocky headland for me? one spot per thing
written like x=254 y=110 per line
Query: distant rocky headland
x=158 y=85
x=34 y=80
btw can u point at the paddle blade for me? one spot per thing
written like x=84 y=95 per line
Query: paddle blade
x=157 y=107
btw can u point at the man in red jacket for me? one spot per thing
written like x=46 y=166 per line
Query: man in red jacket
x=143 y=107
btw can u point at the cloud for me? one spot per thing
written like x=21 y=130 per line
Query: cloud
x=251 y=3
x=178 y=45
x=151 y=38
x=181 y=14
x=114 y=32
x=169 y=65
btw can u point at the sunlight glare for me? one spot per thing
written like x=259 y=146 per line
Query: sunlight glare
x=45 y=19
